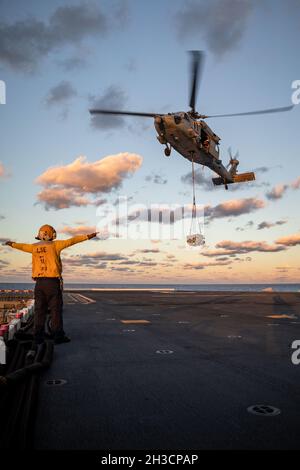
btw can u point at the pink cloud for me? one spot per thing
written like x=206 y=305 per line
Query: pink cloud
x=248 y=246
x=3 y=171
x=97 y=177
x=277 y=192
x=207 y=264
x=234 y=207
x=289 y=240
x=66 y=185
x=73 y=231
x=296 y=184
x=216 y=252
x=61 y=198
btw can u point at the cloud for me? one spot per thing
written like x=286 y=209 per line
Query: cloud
x=285 y=268
x=73 y=23
x=296 y=184
x=277 y=192
x=216 y=252
x=61 y=198
x=200 y=179
x=97 y=177
x=234 y=208
x=25 y=43
x=67 y=185
x=265 y=169
x=207 y=264
x=289 y=240
x=80 y=230
x=93 y=259
x=3 y=172
x=114 y=98
x=221 y=23
x=156 y=178
x=248 y=185
x=128 y=270
x=122 y=13
x=248 y=246
x=131 y=65
x=264 y=224
x=3 y=263
x=168 y=215
x=60 y=94
x=73 y=63
x=247 y=226
x=171 y=257
x=138 y=263
x=2 y=217
x=261 y=169
x=3 y=239
x=148 y=250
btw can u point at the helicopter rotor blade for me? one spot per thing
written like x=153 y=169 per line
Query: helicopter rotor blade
x=123 y=113
x=196 y=72
x=249 y=113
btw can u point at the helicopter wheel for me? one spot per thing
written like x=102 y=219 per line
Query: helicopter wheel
x=167 y=151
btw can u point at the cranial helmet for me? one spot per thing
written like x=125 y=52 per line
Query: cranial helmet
x=46 y=233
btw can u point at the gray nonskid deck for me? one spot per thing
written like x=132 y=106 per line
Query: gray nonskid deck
x=120 y=393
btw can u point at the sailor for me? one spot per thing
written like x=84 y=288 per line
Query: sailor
x=47 y=272
x=206 y=144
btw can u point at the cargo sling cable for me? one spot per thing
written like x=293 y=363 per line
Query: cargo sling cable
x=194 y=238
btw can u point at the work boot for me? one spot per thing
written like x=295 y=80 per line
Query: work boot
x=62 y=339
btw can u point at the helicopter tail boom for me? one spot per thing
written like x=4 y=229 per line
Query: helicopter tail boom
x=238 y=178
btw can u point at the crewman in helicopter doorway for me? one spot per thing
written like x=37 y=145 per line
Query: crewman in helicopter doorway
x=47 y=272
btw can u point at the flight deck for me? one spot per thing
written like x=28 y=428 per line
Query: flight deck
x=173 y=370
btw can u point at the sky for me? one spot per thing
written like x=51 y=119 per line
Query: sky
x=61 y=166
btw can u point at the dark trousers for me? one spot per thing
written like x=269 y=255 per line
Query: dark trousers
x=48 y=299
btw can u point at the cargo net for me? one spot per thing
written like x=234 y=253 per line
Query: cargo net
x=195 y=237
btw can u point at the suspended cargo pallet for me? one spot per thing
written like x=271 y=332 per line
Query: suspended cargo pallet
x=195 y=239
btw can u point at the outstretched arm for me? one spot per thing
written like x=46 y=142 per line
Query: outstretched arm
x=20 y=246
x=62 y=244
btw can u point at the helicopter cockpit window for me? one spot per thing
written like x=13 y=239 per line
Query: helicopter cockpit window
x=177 y=119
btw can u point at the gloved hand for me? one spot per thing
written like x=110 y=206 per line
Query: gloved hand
x=9 y=243
x=92 y=235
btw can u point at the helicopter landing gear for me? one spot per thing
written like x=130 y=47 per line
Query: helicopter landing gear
x=167 y=151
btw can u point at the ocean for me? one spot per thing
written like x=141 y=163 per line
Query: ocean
x=178 y=287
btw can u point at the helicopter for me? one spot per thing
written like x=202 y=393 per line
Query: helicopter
x=188 y=133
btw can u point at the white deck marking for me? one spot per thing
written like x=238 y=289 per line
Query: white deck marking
x=81 y=299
